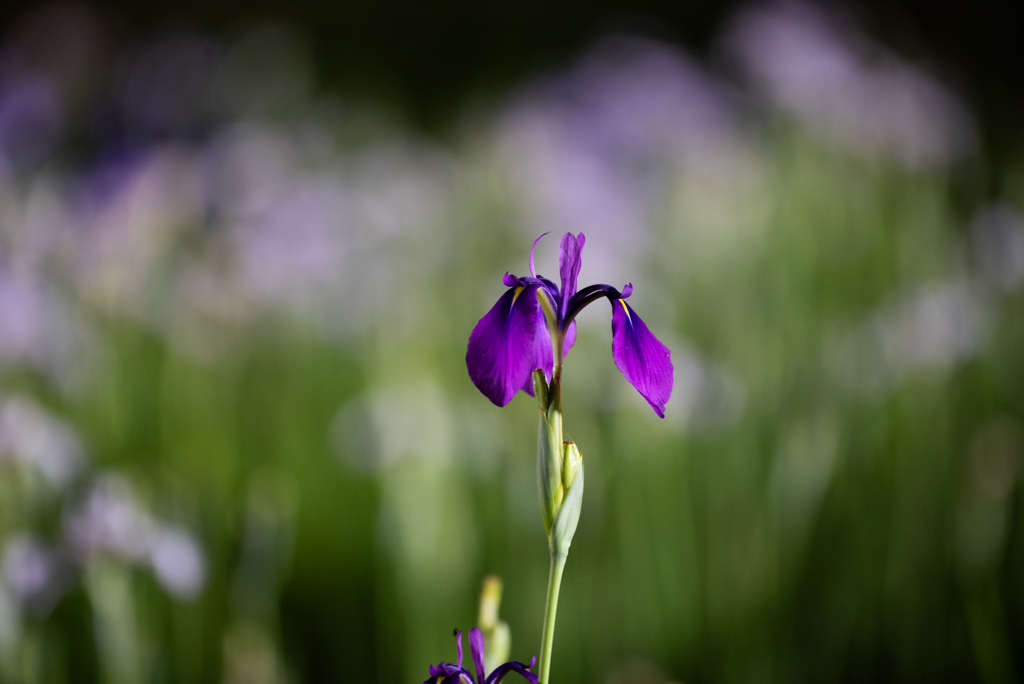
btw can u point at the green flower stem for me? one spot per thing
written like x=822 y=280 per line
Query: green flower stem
x=550 y=608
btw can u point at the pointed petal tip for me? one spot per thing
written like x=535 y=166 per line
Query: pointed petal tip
x=569 y=262
x=476 y=649
x=533 y=270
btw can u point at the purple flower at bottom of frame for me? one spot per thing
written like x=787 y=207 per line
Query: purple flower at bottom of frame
x=513 y=338
x=446 y=673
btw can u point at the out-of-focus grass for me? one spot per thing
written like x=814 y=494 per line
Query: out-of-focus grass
x=245 y=324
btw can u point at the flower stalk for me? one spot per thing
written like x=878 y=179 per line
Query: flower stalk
x=560 y=482
x=547 y=637
x=519 y=345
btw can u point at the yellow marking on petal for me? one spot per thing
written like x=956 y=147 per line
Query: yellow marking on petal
x=626 y=309
x=516 y=295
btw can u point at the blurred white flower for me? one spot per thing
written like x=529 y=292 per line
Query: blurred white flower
x=35 y=573
x=401 y=421
x=131 y=211
x=110 y=520
x=935 y=326
x=178 y=562
x=39 y=328
x=706 y=398
x=27 y=566
x=997 y=243
x=292 y=253
x=929 y=328
x=22 y=316
x=31 y=435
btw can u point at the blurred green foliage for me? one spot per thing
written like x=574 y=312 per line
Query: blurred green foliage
x=833 y=496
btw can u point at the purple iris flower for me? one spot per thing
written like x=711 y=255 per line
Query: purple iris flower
x=515 y=337
x=446 y=673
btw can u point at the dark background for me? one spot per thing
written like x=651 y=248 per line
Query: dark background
x=430 y=57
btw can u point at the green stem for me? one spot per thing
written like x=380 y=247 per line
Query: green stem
x=550 y=608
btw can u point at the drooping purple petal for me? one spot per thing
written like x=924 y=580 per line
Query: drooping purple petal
x=476 y=648
x=569 y=263
x=501 y=345
x=458 y=646
x=643 y=359
x=520 y=668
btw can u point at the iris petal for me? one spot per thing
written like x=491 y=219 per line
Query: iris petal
x=501 y=346
x=502 y=670
x=543 y=357
x=476 y=647
x=569 y=263
x=641 y=357
x=446 y=673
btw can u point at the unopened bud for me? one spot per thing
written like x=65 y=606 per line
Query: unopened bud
x=571 y=461
x=490 y=602
x=496 y=633
x=563 y=527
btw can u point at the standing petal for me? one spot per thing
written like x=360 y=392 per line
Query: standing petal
x=476 y=648
x=501 y=346
x=569 y=263
x=644 y=360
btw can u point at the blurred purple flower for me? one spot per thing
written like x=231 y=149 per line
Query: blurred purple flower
x=815 y=65
x=36 y=573
x=447 y=673
x=111 y=522
x=511 y=341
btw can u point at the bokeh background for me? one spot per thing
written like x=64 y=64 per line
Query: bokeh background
x=242 y=248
